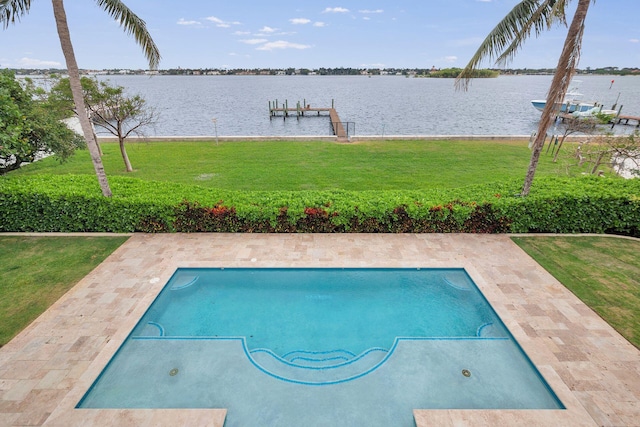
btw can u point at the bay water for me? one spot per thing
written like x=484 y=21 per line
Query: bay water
x=376 y=105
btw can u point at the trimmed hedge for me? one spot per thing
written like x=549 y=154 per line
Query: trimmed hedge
x=69 y=203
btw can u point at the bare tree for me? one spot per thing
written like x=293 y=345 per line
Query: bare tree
x=119 y=114
x=620 y=153
x=574 y=125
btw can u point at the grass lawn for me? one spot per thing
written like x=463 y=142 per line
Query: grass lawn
x=278 y=165
x=36 y=271
x=604 y=272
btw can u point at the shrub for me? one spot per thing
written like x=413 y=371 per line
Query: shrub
x=74 y=203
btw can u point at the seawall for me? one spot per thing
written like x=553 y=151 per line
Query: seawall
x=234 y=138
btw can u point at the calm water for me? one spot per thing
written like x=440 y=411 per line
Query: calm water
x=320 y=347
x=389 y=105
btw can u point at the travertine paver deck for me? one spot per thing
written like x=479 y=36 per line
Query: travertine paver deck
x=46 y=369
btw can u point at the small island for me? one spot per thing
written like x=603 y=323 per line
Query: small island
x=452 y=73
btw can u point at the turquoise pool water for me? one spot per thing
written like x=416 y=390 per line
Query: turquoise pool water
x=288 y=347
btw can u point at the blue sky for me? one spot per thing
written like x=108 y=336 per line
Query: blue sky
x=310 y=34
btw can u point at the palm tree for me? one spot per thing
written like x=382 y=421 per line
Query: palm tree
x=509 y=35
x=10 y=10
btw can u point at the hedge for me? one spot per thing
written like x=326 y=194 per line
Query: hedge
x=72 y=203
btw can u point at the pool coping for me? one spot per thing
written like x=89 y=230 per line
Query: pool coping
x=47 y=368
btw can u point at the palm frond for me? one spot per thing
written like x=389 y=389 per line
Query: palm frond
x=12 y=10
x=550 y=13
x=133 y=25
x=506 y=38
x=559 y=12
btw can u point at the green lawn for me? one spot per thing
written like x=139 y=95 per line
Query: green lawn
x=36 y=271
x=278 y=165
x=604 y=272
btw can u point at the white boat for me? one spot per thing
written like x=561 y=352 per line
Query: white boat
x=572 y=102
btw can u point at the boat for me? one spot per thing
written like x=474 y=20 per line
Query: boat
x=571 y=103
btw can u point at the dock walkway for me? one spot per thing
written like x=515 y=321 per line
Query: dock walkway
x=338 y=128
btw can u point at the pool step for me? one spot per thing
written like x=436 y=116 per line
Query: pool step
x=318 y=358
x=183 y=282
x=318 y=368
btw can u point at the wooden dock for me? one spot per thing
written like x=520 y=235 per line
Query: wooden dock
x=620 y=119
x=300 y=110
x=624 y=120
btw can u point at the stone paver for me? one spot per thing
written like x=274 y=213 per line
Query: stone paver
x=48 y=367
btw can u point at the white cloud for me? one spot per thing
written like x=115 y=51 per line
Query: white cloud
x=634 y=40
x=280 y=44
x=367 y=11
x=335 y=10
x=220 y=23
x=366 y=18
x=182 y=21
x=35 y=63
x=299 y=21
x=451 y=58
x=215 y=20
x=254 y=41
x=319 y=24
x=241 y=33
x=268 y=30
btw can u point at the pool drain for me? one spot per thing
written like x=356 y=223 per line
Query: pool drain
x=466 y=373
x=173 y=372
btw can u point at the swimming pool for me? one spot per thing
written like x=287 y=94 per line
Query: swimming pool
x=320 y=347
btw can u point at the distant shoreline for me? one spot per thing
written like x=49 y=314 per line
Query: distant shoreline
x=337 y=71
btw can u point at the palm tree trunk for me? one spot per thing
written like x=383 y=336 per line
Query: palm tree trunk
x=561 y=79
x=78 y=99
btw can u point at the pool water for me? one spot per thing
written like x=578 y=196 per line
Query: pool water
x=288 y=347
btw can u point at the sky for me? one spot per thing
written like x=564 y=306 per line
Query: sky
x=310 y=34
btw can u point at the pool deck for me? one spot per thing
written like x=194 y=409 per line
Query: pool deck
x=47 y=368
